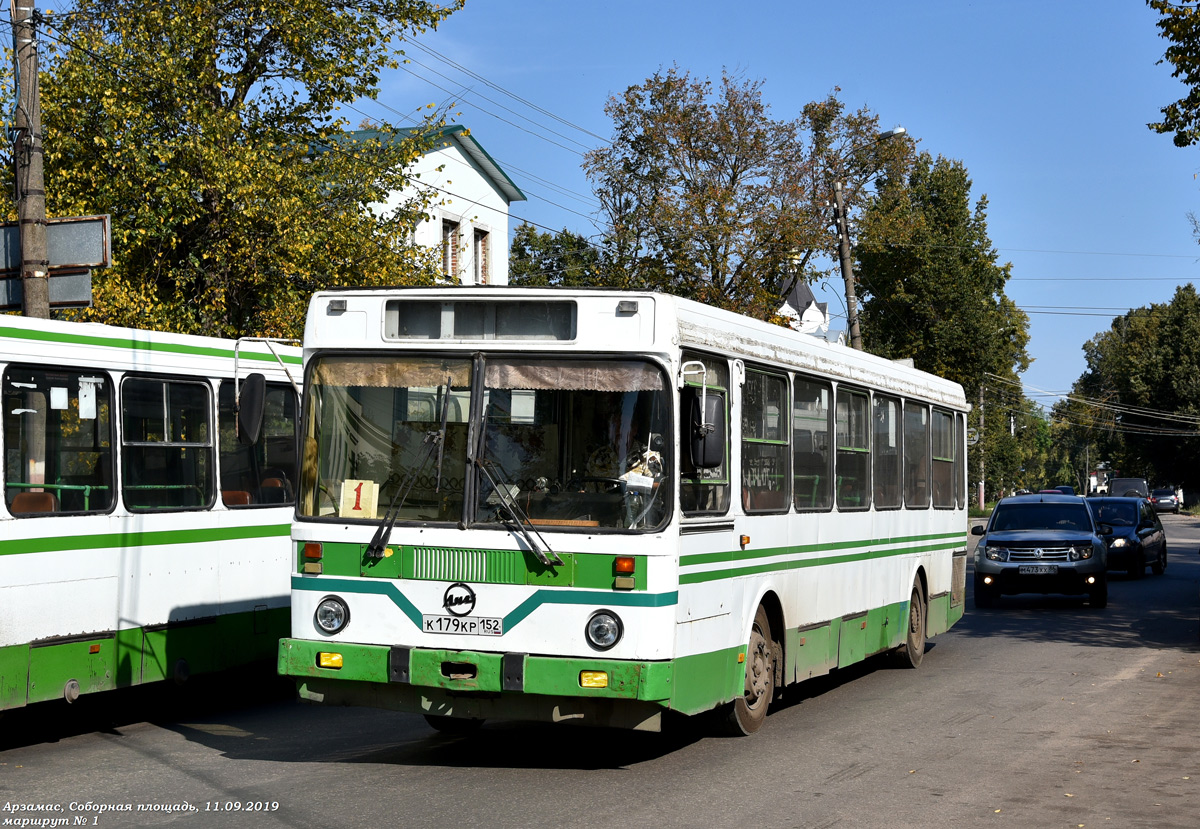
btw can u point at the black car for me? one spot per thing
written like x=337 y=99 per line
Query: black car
x=1044 y=543
x=1137 y=537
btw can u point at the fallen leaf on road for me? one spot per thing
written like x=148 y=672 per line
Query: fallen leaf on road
x=1068 y=794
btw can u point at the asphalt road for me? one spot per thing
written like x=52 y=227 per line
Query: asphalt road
x=1041 y=712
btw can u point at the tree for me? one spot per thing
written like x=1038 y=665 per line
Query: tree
x=562 y=259
x=1179 y=24
x=1139 y=399
x=933 y=289
x=706 y=195
x=210 y=132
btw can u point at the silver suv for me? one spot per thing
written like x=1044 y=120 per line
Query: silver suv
x=1041 y=544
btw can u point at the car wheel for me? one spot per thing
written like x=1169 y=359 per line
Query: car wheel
x=1098 y=594
x=1160 y=564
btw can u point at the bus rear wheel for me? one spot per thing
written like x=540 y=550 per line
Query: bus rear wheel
x=910 y=654
x=746 y=715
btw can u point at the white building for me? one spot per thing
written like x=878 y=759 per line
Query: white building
x=468 y=212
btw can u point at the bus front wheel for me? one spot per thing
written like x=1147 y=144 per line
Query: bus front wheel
x=746 y=714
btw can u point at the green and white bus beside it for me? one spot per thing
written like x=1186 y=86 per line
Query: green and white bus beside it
x=143 y=538
x=598 y=507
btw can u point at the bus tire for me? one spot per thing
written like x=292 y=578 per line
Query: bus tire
x=452 y=725
x=746 y=714
x=910 y=654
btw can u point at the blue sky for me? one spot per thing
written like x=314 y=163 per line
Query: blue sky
x=1044 y=102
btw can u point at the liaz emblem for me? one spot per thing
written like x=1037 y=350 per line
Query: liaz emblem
x=459 y=599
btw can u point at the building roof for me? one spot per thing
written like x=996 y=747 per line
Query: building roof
x=461 y=137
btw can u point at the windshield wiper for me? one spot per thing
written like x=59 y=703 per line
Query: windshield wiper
x=433 y=440
x=503 y=492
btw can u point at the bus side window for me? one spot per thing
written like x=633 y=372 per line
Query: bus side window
x=812 y=470
x=766 y=465
x=943 y=459
x=58 y=441
x=264 y=473
x=167 y=448
x=916 y=455
x=704 y=490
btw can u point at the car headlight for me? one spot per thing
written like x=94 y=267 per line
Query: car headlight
x=332 y=615
x=603 y=630
x=1118 y=542
x=1080 y=553
x=996 y=553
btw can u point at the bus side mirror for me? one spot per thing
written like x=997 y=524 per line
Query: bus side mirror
x=705 y=425
x=251 y=399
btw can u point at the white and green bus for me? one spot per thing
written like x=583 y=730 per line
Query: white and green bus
x=598 y=507
x=143 y=538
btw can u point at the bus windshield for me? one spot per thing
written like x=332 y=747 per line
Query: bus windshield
x=558 y=443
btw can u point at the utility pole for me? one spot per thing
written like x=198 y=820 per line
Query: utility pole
x=982 y=476
x=843 y=229
x=28 y=158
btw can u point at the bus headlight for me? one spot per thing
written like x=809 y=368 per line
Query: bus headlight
x=332 y=615
x=603 y=630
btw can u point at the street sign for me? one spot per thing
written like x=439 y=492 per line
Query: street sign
x=75 y=246
x=68 y=289
x=972 y=437
x=76 y=242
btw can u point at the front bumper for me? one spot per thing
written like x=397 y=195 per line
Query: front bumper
x=481 y=685
x=1071 y=578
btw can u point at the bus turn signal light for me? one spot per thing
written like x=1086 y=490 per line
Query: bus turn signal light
x=593 y=679
x=313 y=551
x=623 y=564
x=329 y=660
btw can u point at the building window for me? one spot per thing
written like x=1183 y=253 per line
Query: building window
x=480 y=266
x=450 y=242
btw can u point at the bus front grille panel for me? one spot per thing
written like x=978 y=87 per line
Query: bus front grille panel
x=479 y=566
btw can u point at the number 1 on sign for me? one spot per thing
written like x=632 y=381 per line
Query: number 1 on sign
x=359 y=499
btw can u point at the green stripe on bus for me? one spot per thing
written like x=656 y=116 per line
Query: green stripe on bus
x=140 y=539
x=746 y=555
x=321 y=584
x=796 y=564
x=135 y=345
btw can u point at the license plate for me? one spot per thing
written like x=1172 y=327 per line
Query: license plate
x=468 y=625
x=1038 y=569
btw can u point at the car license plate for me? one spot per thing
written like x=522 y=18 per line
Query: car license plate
x=1038 y=569
x=469 y=625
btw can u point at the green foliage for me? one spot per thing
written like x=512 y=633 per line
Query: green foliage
x=210 y=132
x=562 y=259
x=1139 y=399
x=707 y=196
x=933 y=290
x=1179 y=24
